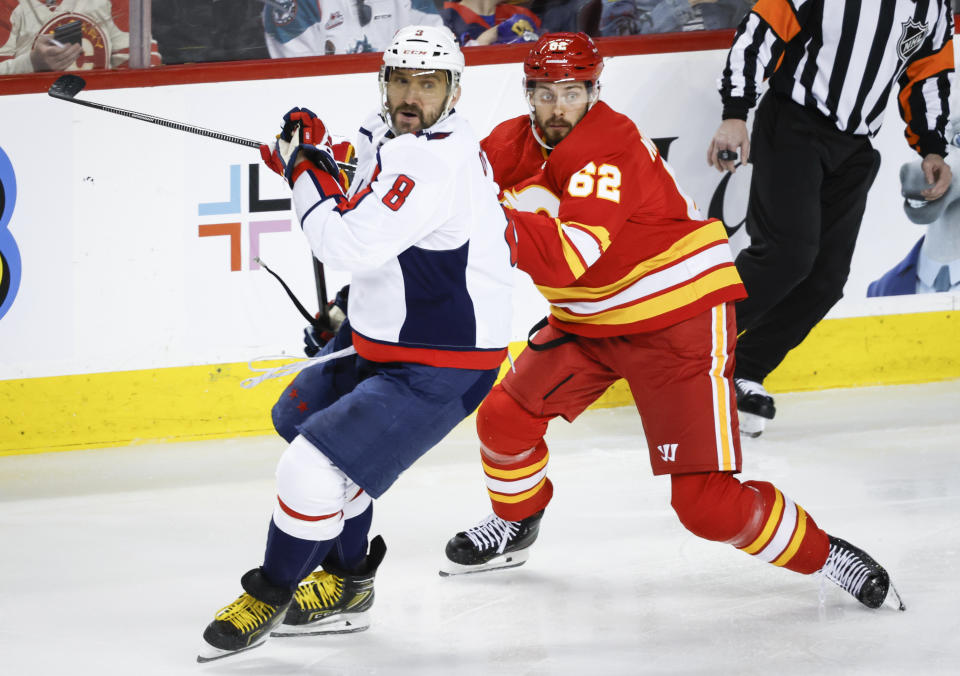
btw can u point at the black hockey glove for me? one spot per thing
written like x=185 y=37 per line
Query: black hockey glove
x=317 y=335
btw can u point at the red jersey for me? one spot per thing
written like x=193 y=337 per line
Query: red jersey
x=604 y=230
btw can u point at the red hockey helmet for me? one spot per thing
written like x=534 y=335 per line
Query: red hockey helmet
x=557 y=58
x=563 y=56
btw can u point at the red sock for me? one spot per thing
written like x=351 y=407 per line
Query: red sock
x=754 y=517
x=514 y=456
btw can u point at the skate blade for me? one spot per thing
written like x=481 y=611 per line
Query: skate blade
x=351 y=624
x=893 y=599
x=511 y=560
x=210 y=654
x=751 y=425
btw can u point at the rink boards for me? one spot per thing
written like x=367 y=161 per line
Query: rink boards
x=131 y=302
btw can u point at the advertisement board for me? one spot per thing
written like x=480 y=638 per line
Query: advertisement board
x=127 y=246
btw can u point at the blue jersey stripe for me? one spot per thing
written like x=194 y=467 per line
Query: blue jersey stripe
x=439 y=307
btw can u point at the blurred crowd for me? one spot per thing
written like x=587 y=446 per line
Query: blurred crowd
x=54 y=35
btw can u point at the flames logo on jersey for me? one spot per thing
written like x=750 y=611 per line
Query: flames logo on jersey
x=95 y=42
x=9 y=254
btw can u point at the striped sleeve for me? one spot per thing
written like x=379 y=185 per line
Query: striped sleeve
x=924 y=99
x=401 y=204
x=756 y=52
x=554 y=253
x=557 y=244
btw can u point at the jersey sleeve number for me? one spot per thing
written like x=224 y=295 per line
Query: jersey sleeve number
x=604 y=180
x=398 y=194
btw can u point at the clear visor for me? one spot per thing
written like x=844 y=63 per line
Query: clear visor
x=450 y=82
x=567 y=92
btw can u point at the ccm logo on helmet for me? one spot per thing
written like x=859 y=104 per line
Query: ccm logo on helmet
x=418 y=52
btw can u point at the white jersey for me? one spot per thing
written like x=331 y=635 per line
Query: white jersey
x=104 y=44
x=306 y=28
x=422 y=233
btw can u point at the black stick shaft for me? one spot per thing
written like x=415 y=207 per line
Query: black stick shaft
x=321 y=282
x=169 y=123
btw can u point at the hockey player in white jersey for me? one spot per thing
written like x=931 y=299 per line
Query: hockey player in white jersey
x=306 y=28
x=421 y=231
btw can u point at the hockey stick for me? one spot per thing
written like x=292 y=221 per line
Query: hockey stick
x=320 y=279
x=68 y=86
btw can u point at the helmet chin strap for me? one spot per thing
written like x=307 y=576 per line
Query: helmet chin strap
x=535 y=128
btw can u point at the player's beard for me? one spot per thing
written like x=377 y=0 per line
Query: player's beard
x=554 y=135
x=416 y=110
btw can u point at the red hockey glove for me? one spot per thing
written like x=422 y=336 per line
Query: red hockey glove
x=346 y=156
x=271 y=158
x=303 y=136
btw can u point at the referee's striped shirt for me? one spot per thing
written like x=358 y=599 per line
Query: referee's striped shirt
x=842 y=58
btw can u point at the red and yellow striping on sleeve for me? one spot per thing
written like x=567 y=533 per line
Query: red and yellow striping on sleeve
x=694 y=268
x=582 y=244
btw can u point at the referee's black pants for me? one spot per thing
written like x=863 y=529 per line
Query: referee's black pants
x=807 y=198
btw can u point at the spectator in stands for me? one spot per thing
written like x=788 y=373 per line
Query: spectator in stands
x=634 y=17
x=309 y=28
x=568 y=16
x=488 y=22
x=57 y=35
x=196 y=31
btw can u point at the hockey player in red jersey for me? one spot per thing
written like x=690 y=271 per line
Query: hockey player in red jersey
x=640 y=287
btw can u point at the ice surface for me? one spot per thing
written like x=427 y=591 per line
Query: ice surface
x=114 y=560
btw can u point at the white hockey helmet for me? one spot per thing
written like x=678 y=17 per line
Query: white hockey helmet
x=424 y=48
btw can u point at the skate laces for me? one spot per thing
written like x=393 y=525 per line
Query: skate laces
x=492 y=532
x=750 y=387
x=845 y=569
x=322 y=590
x=246 y=613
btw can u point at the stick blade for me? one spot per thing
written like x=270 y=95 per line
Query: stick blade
x=67 y=86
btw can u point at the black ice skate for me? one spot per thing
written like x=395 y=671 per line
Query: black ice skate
x=332 y=601
x=493 y=543
x=246 y=623
x=854 y=571
x=754 y=406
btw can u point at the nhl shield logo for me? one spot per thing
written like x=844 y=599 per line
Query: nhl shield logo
x=911 y=38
